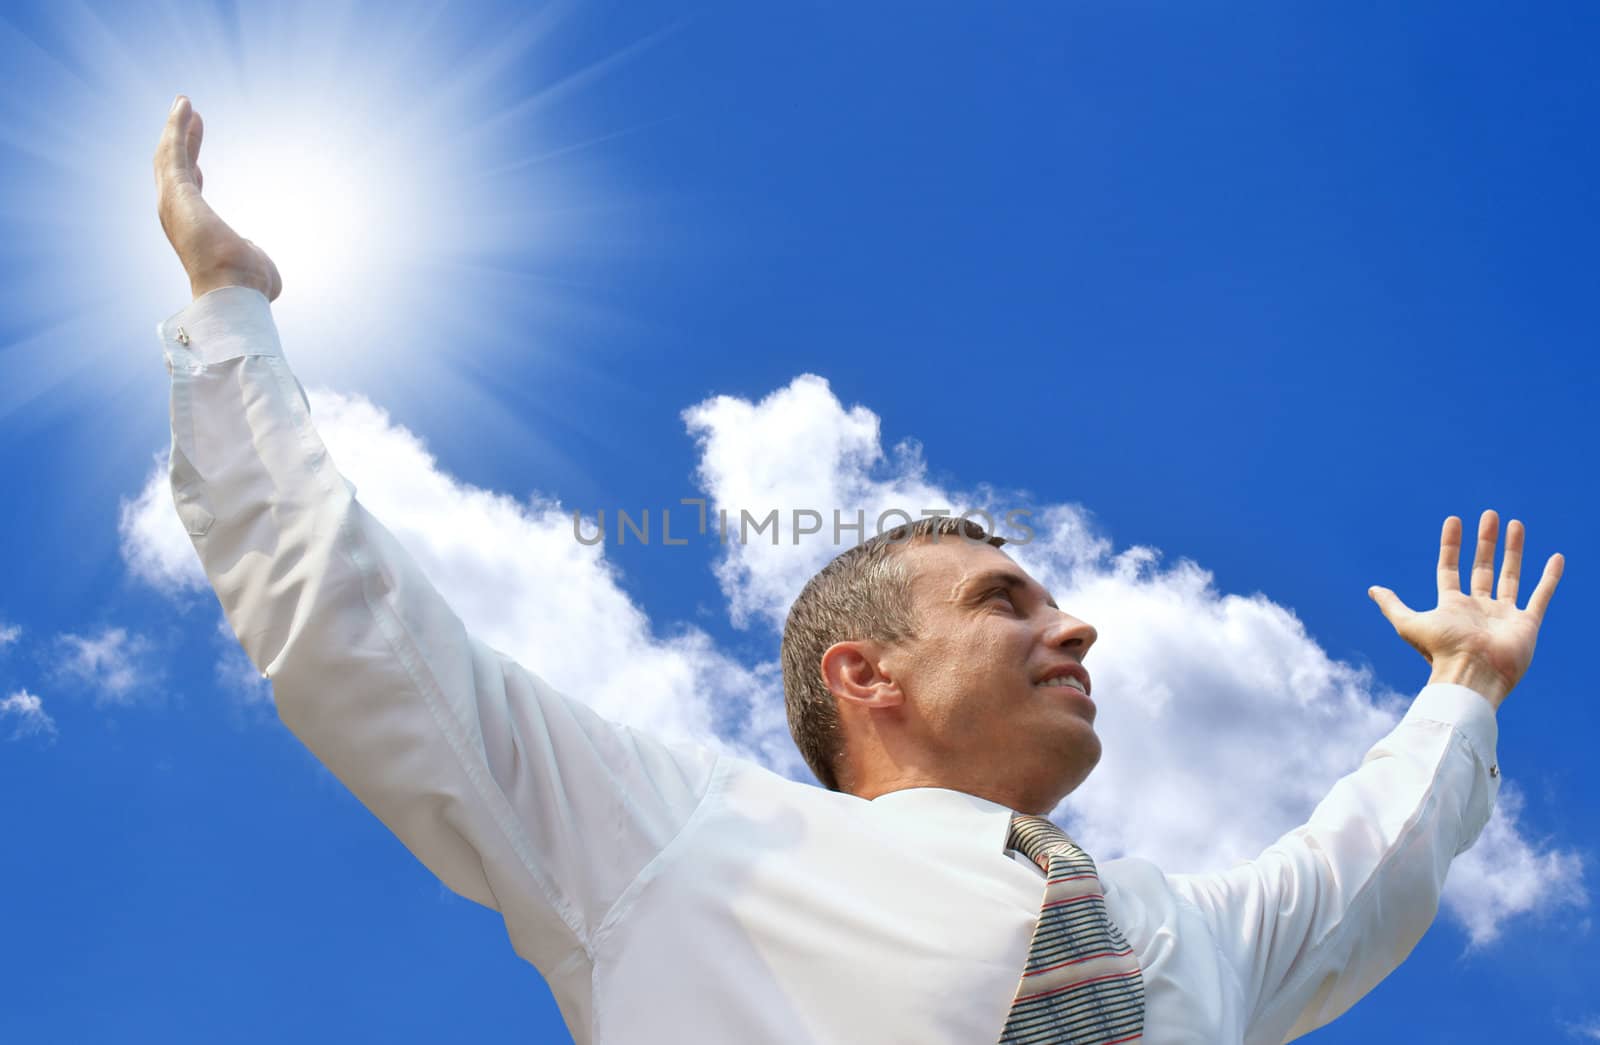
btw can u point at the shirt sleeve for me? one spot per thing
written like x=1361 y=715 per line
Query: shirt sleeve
x=515 y=796
x=1334 y=906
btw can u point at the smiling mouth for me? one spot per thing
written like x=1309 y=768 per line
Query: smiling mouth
x=1066 y=682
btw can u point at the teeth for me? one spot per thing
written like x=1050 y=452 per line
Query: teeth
x=1066 y=680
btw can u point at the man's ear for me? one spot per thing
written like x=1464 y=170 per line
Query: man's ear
x=854 y=671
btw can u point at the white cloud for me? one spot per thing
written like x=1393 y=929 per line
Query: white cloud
x=798 y=449
x=1588 y=1030
x=29 y=715
x=110 y=663
x=9 y=633
x=1504 y=875
x=155 y=545
x=1218 y=710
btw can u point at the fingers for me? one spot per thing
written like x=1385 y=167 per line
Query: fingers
x=196 y=132
x=1450 y=557
x=174 y=164
x=1511 y=565
x=180 y=205
x=1547 y=586
x=1483 y=561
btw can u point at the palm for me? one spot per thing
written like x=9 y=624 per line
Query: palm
x=1500 y=633
x=1482 y=623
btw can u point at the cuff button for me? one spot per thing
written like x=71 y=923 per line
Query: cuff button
x=1494 y=770
x=183 y=336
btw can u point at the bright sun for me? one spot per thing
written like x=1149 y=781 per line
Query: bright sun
x=393 y=162
x=320 y=208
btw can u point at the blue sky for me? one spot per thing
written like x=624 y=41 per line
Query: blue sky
x=1241 y=299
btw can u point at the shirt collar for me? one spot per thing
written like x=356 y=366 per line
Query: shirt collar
x=952 y=817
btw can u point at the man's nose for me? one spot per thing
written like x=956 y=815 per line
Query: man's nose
x=1068 y=632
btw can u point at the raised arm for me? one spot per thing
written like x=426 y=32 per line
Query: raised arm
x=514 y=796
x=1337 y=904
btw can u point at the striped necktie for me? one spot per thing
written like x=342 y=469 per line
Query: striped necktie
x=1082 y=985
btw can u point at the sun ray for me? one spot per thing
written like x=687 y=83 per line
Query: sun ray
x=523 y=163
x=496 y=123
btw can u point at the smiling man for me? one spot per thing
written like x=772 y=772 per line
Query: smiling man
x=667 y=892
x=996 y=666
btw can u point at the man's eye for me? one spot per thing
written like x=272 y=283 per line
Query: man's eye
x=1005 y=594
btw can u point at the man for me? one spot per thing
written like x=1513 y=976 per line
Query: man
x=667 y=892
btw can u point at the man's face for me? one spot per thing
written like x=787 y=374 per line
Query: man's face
x=986 y=679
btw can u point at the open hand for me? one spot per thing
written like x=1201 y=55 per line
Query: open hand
x=1480 y=640
x=212 y=253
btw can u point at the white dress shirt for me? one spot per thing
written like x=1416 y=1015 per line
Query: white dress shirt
x=667 y=892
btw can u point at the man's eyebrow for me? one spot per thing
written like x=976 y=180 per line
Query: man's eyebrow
x=991 y=579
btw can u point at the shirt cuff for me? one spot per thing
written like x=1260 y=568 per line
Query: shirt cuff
x=225 y=323
x=1467 y=711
